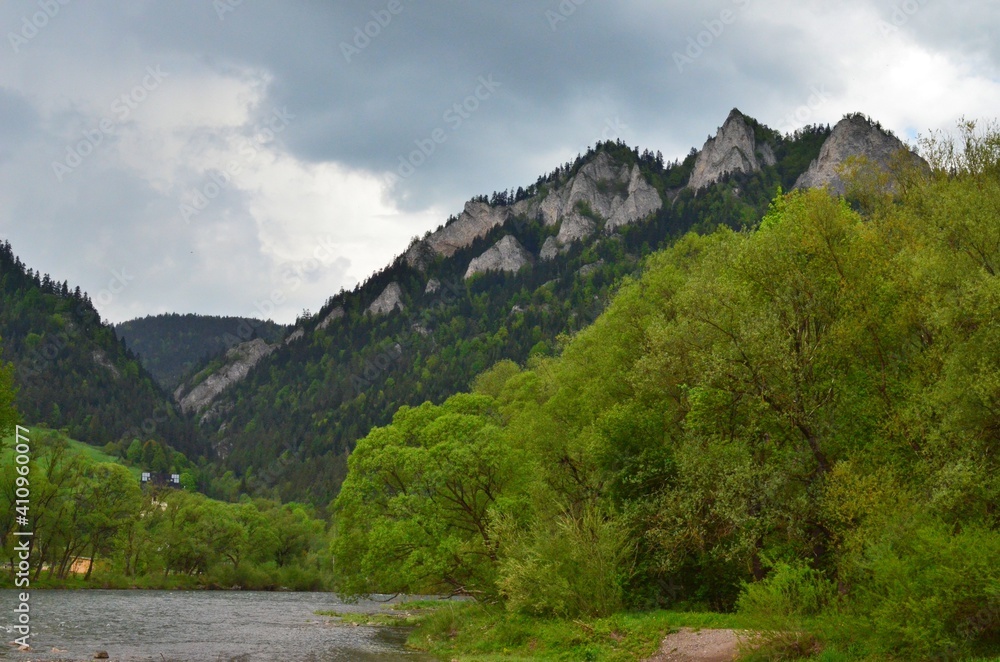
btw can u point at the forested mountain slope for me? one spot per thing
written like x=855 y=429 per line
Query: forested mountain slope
x=171 y=345
x=72 y=372
x=506 y=279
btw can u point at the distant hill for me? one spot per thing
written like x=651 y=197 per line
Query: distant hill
x=170 y=345
x=73 y=373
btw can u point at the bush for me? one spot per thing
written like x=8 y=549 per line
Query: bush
x=576 y=566
x=926 y=591
x=791 y=593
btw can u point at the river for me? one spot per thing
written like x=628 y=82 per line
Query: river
x=197 y=626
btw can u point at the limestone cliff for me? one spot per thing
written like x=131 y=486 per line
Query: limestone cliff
x=855 y=135
x=475 y=221
x=335 y=314
x=615 y=192
x=733 y=149
x=390 y=299
x=603 y=192
x=505 y=255
x=238 y=362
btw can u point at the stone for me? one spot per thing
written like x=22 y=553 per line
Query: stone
x=334 y=315
x=855 y=135
x=390 y=299
x=505 y=255
x=588 y=269
x=475 y=222
x=239 y=360
x=550 y=249
x=732 y=150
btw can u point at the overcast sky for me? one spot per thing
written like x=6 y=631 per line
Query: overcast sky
x=250 y=157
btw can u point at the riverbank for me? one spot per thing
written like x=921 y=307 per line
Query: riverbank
x=472 y=632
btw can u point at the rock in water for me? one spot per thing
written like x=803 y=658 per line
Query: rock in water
x=505 y=255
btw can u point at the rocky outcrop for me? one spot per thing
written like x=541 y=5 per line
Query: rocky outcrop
x=101 y=359
x=505 y=255
x=588 y=269
x=603 y=192
x=855 y=135
x=732 y=150
x=390 y=299
x=433 y=285
x=295 y=335
x=574 y=227
x=550 y=249
x=615 y=192
x=334 y=315
x=641 y=201
x=476 y=220
x=239 y=360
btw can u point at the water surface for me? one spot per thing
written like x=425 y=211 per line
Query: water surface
x=197 y=626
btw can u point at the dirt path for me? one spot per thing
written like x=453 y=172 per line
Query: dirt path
x=687 y=645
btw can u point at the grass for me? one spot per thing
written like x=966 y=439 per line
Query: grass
x=473 y=632
x=90 y=453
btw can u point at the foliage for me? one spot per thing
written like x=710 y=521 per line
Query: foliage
x=798 y=419
x=82 y=507
x=470 y=631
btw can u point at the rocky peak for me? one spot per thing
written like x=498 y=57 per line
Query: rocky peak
x=604 y=189
x=855 y=135
x=390 y=299
x=505 y=255
x=475 y=221
x=733 y=149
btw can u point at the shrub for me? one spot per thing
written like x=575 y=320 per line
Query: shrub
x=791 y=593
x=575 y=566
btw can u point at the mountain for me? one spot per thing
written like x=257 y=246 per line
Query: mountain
x=511 y=277
x=734 y=149
x=72 y=371
x=855 y=135
x=507 y=278
x=171 y=345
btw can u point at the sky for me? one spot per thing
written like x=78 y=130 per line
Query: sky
x=251 y=157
